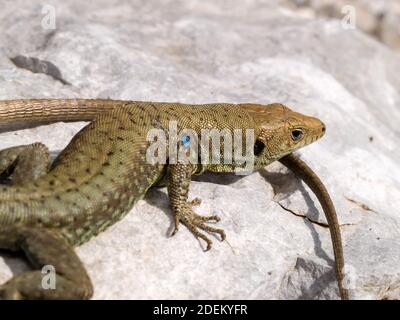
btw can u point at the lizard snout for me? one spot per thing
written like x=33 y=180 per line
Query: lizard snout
x=317 y=127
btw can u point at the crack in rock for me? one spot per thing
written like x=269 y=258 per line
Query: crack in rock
x=321 y=224
x=359 y=204
x=36 y=65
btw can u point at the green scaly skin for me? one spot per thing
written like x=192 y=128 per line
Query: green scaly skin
x=103 y=172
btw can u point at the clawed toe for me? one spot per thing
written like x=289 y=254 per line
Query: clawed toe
x=174 y=232
x=195 y=202
x=212 y=230
x=206 y=240
x=208 y=218
x=194 y=222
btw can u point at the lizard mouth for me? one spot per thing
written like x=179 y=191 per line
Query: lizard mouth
x=315 y=132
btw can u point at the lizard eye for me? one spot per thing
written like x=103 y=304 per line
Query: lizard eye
x=258 y=147
x=297 y=134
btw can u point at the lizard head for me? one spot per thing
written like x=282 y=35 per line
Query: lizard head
x=281 y=131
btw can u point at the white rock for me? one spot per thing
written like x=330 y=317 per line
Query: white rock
x=200 y=52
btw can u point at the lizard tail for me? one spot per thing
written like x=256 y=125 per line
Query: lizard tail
x=303 y=171
x=22 y=114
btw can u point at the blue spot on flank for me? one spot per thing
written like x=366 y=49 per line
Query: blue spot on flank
x=186 y=141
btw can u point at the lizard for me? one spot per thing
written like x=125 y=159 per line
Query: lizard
x=103 y=172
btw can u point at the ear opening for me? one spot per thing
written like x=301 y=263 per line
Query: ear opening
x=258 y=147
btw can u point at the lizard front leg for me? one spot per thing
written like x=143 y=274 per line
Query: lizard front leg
x=179 y=177
x=44 y=247
x=24 y=163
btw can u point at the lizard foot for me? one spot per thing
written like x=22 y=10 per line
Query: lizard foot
x=30 y=285
x=58 y=273
x=10 y=293
x=187 y=216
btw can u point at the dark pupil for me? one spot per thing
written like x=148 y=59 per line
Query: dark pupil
x=296 y=134
x=258 y=147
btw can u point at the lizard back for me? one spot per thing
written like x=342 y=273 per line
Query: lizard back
x=103 y=171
